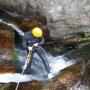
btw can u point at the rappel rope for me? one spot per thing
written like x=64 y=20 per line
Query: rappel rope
x=25 y=65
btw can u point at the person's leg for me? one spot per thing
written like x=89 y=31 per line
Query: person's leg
x=41 y=54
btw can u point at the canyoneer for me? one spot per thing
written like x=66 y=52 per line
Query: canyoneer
x=34 y=38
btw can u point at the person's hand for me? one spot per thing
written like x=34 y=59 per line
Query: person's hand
x=30 y=48
x=36 y=44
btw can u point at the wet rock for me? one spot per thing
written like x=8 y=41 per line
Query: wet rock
x=84 y=83
x=6 y=46
x=85 y=80
x=6 y=63
x=6 y=54
x=64 y=81
x=6 y=39
x=2 y=87
x=81 y=53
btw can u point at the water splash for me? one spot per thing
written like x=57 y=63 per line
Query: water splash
x=59 y=63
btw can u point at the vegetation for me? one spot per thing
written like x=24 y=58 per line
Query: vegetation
x=15 y=56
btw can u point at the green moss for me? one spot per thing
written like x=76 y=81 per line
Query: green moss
x=15 y=56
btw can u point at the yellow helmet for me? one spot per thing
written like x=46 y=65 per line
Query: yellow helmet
x=37 y=32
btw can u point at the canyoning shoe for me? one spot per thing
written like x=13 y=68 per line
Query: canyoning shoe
x=50 y=76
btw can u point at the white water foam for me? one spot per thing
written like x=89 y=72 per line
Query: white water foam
x=56 y=65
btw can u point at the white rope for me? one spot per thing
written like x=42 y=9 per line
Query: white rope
x=25 y=65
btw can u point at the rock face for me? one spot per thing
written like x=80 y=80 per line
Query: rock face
x=63 y=17
x=6 y=39
x=6 y=46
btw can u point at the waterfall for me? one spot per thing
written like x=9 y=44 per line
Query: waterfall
x=20 y=32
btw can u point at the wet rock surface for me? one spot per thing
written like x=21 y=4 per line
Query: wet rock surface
x=6 y=63
x=69 y=79
x=81 y=53
x=6 y=39
x=6 y=46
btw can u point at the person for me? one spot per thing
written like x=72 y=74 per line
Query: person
x=35 y=38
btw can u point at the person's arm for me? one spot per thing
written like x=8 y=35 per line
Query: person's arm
x=41 y=41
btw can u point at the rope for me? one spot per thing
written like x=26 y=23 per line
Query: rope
x=25 y=65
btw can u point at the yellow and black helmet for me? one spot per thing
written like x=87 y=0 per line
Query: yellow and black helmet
x=37 y=32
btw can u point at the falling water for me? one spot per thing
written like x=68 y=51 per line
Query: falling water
x=20 y=32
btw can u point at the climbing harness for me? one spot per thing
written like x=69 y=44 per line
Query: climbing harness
x=25 y=65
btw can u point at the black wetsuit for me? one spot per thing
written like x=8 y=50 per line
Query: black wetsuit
x=30 y=40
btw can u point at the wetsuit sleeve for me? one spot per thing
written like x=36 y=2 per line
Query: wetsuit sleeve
x=24 y=42
x=41 y=41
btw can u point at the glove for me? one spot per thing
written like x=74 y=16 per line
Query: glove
x=30 y=48
x=36 y=44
